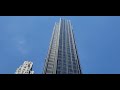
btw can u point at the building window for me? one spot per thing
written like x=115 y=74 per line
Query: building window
x=59 y=59
x=68 y=48
x=60 y=51
x=68 y=54
x=48 y=70
x=59 y=63
x=51 y=60
x=74 y=67
x=59 y=56
x=73 y=56
x=50 y=66
x=58 y=72
x=74 y=61
x=60 y=47
x=64 y=64
x=59 y=68
x=70 y=71
x=50 y=63
x=64 y=48
x=69 y=63
x=75 y=71
x=64 y=54
x=64 y=72
x=64 y=61
x=69 y=66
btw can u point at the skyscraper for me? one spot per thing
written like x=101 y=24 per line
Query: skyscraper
x=62 y=55
x=26 y=68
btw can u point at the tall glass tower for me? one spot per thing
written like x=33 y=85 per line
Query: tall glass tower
x=62 y=55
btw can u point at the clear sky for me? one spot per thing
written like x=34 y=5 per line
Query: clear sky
x=28 y=37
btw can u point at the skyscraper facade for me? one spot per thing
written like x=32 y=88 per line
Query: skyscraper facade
x=62 y=55
x=26 y=68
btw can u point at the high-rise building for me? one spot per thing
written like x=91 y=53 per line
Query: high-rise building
x=26 y=68
x=62 y=55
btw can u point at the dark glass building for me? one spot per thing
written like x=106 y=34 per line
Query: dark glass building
x=62 y=55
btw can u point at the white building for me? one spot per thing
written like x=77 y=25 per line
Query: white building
x=26 y=68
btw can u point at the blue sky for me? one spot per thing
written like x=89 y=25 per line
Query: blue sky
x=28 y=37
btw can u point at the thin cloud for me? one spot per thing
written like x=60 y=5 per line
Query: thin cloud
x=21 y=42
x=22 y=49
x=21 y=46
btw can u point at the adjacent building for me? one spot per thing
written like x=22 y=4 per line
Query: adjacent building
x=25 y=68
